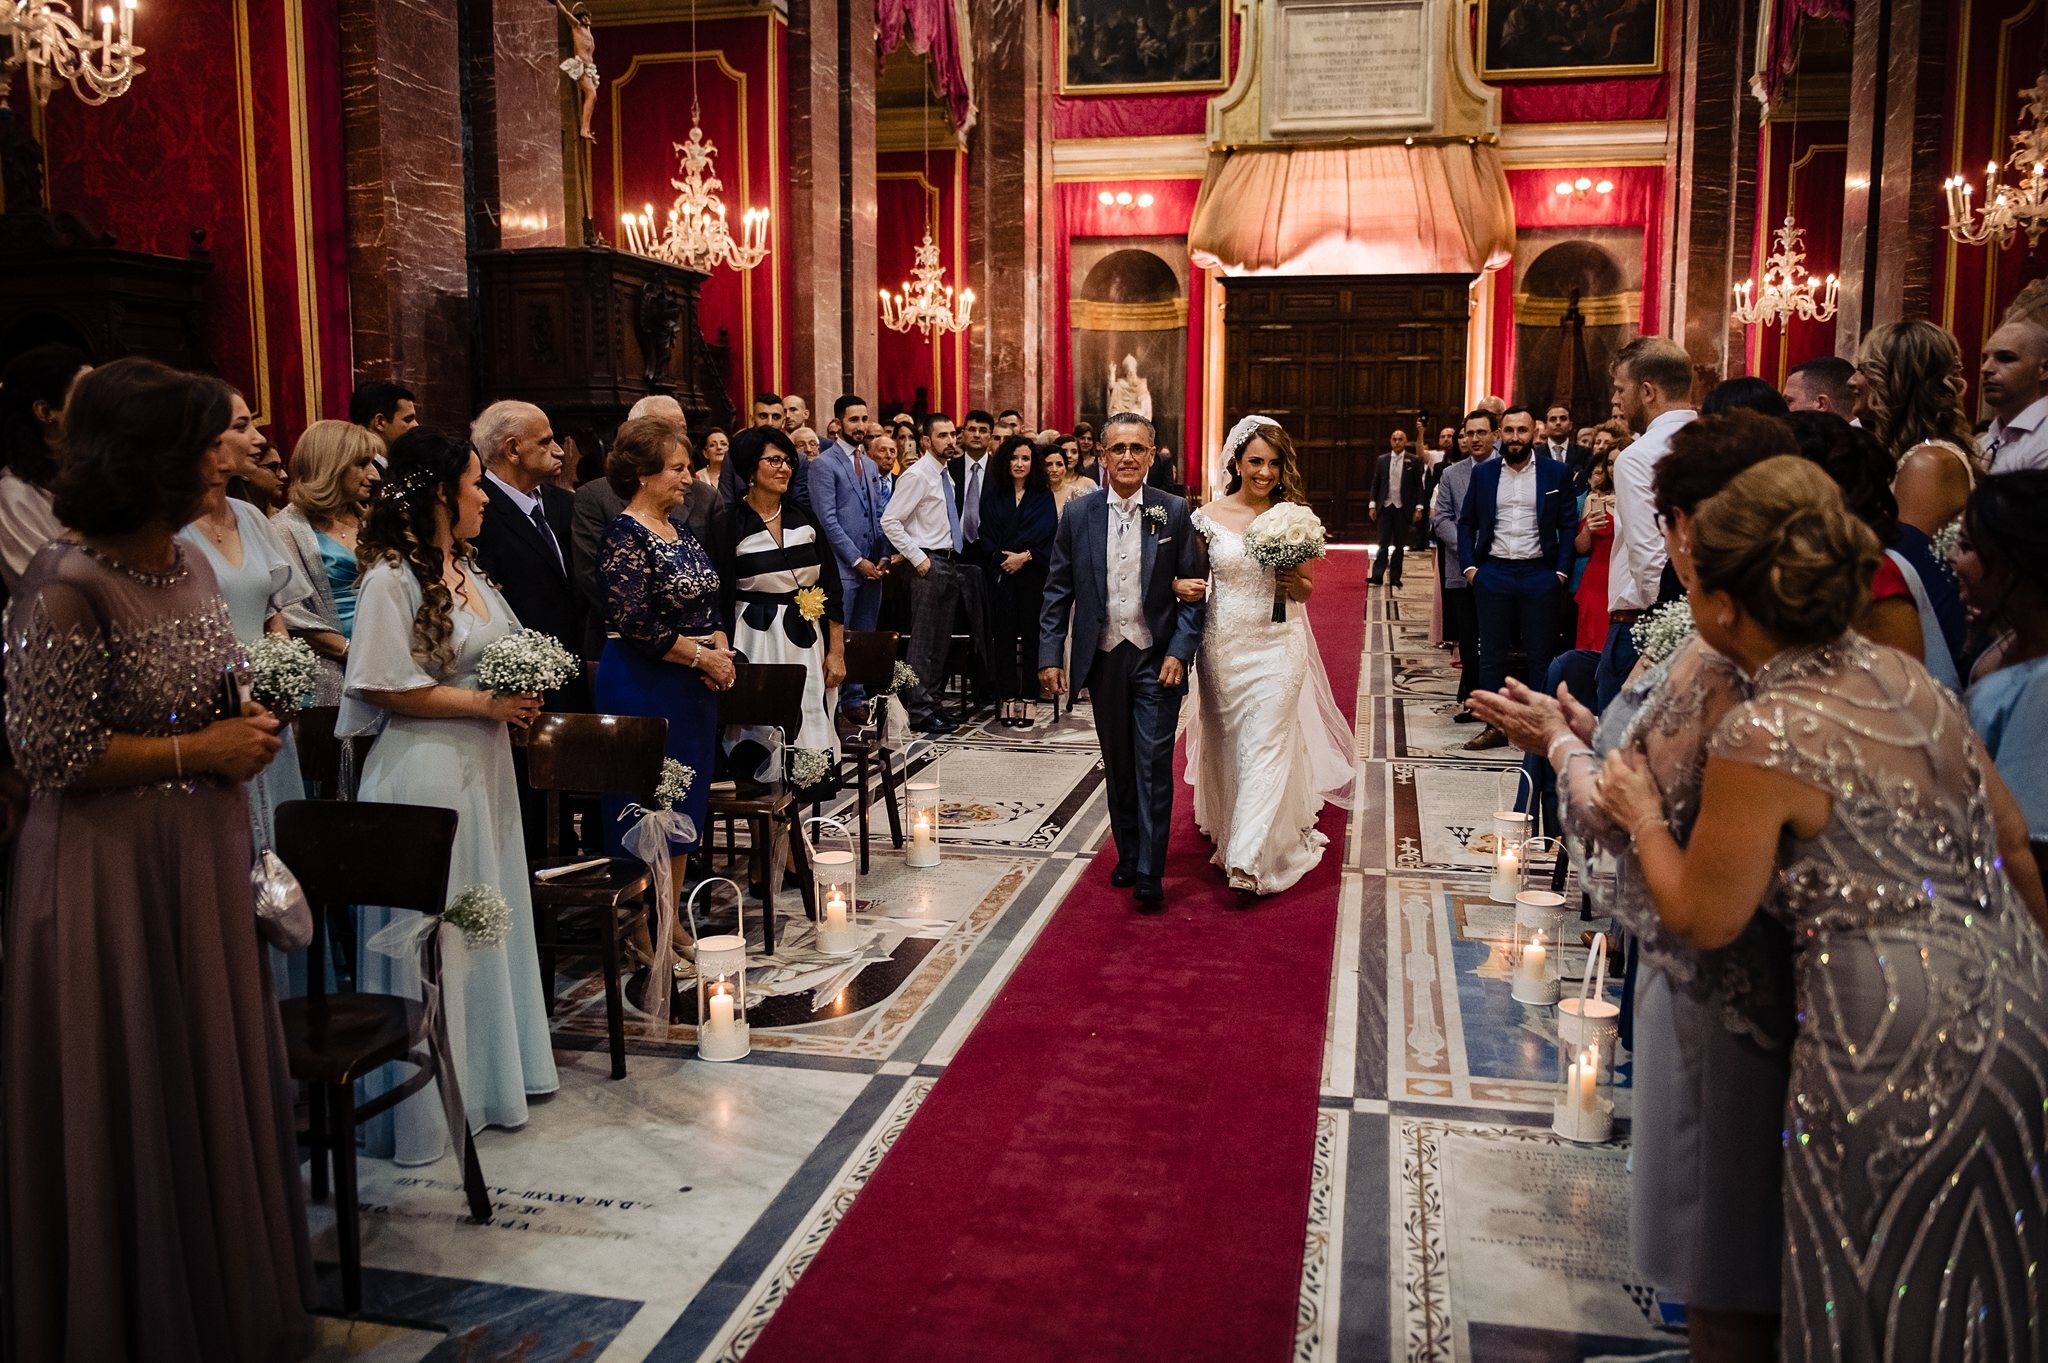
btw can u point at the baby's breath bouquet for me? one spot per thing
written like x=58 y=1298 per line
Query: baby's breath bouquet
x=1284 y=537
x=676 y=780
x=525 y=663
x=1664 y=630
x=282 y=673
x=808 y=766
x=482 y=914
x=902 y=678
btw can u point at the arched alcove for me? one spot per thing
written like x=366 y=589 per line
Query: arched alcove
x=1586 y=275
x=1130 y=339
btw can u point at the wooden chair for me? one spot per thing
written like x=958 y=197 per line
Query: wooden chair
x=335 y=763
x=347 y=855
x=871 y=664
x=766 y=696
x=591 y=755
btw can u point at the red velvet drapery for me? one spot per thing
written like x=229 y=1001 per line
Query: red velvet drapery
x=940 y=28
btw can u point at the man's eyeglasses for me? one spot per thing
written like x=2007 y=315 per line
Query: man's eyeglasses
x=1115 y=451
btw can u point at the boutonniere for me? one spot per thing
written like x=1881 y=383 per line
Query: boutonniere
x=1155 y=516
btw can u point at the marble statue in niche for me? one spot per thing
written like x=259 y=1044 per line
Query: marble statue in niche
x=582 y=68
x=1128 y=391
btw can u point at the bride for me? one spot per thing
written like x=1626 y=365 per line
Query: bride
x=1268 y=744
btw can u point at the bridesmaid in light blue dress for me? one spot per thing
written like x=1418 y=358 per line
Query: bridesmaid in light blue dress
x=442 y=741
x=259 y=585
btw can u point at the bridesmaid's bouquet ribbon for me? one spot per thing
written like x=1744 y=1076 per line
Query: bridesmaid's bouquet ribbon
x=658 y=827
x=524 y=664
x=1286 y=536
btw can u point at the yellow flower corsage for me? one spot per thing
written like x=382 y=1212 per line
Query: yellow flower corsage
x=810 y=604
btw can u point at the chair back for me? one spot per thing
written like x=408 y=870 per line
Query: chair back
x=870 y=659
x=596 y=754
x=395 y=856
x=765 y=695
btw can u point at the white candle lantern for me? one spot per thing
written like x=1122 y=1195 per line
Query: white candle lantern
x=722 y=1032
x=922 y=796
x=839 y=927
x=1538 y=950
x=1511 y=866
x=1588 y=1036
x=1512 y=832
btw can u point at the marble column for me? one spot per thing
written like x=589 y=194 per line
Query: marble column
x=811 y=226
x=526 y=51
x=1712 y=190
x=1897 y=79
x=861 y=318
x=1008 y=191
x=407 y=253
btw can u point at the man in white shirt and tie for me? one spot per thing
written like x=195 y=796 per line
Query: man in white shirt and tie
x=922 y=522
x=973 y=473
x=1653 y=390
x=2015 y=390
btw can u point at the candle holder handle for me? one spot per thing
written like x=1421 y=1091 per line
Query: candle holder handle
x=739 y=898
x=836 y=824
x=1507 y=803
x=1595 y=984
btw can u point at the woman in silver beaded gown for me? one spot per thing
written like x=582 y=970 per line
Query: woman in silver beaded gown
x=152 y=1180
x=1850 y=796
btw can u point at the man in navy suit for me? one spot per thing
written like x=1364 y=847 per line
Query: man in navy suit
x=1515 y=534
x=847 y=500
x=1113 y=566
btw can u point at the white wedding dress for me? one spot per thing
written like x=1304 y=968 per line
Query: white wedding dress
x=1268 y=744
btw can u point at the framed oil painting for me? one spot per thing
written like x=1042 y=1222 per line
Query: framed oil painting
x=1551 y=39
x=1112 y=47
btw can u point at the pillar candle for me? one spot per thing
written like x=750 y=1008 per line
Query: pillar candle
x=721 y=1011
x=835 y=911
x=1529 y=970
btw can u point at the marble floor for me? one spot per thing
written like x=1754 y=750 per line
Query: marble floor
x=663 y=1216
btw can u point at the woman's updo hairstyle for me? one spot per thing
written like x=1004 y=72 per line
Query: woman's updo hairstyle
x=640 y=450
x=1706 y=455
x=1780 y=540
x=425 y=470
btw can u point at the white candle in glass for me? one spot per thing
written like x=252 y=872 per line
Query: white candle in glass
x=835 y=911
x=1507 y=874
x=921 y=831
x=1585 y=1096
x=721 y=1010
x=1529 y=970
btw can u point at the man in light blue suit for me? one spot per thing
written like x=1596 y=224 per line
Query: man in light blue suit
x=847 y=498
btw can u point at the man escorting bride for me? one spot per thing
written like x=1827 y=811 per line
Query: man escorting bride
x=1268 y=745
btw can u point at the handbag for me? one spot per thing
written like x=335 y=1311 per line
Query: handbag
x=283 y=915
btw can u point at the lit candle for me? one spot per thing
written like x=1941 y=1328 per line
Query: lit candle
x=721 y=1009
x=835 y=911
x=1529 y=970
x=1507 y=874
x=1583 y=1093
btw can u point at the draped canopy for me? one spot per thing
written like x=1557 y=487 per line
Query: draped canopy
x=1424 y=209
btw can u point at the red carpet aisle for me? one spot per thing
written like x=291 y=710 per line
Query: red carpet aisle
x=1117 y=1164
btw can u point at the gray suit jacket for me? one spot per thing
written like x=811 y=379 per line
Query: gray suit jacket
x=597 y=506
x=1077 y=580
x=1443 y=522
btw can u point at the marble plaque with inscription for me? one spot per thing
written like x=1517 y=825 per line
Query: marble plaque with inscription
x=1340 y=66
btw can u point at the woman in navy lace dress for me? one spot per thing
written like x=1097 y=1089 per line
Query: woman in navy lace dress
x=664 y=653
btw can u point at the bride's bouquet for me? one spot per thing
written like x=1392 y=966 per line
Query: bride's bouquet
x=1284 y=537
x=526 y=663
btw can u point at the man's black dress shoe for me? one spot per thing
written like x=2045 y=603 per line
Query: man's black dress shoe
x=1123 y=877
x=1464 y=717
x=933 y=726
x=1148 y=894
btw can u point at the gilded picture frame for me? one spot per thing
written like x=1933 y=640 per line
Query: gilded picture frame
x=1143 y=47
x=1562 y=39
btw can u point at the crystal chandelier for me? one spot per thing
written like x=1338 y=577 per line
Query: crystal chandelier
x=2008 y=207
x=695 y=235
x=927 y=303
x=42 y=36
x=1788 y=290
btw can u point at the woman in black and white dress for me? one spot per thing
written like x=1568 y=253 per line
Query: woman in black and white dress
x=780 y=603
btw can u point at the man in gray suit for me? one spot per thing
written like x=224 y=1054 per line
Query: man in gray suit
x=597 y=506
x=1113 y=567
x=1461 y=617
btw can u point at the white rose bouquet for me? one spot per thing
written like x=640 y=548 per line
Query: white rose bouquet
x=526 y=663
x=282 y=673
x=1285 y=537
x=1664 y=630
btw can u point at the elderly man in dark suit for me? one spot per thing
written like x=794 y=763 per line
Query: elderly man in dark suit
x=597 y=506
x=1397 y=500
x=524 y=541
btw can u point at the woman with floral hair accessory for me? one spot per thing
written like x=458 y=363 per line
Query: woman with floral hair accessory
x=425 y=614
x=1268 y=744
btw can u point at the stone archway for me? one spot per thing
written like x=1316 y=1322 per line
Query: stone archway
x=1130 y=342
x=1548 y=355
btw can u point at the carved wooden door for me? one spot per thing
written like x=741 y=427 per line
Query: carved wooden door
x=1340 y=362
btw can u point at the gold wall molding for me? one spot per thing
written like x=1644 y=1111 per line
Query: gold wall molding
x=1087 y=314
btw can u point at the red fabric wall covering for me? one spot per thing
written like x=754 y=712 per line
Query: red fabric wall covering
x=644 y=110
x=1636 y=201
x=1623 y=99
x=205 y=139
x=1802 y=165
x=1996 y=57
x=1175 y=114
x=1080 y=213
x=911 y=194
